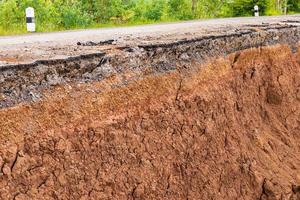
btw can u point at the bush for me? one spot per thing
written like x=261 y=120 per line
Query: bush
x=73 y=17
x=155 y=10
x=11 y=15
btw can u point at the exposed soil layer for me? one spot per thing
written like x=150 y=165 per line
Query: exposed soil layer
x=227 y=129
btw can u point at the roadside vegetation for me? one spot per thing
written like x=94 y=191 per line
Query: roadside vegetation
x=53 y=15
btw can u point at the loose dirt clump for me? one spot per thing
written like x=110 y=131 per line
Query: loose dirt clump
x=228 y=130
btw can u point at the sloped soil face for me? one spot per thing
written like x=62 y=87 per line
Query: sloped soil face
x=227 y=130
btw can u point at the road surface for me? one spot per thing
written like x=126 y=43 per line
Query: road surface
x=30 y=47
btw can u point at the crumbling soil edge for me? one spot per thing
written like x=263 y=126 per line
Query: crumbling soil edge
x=21 y=83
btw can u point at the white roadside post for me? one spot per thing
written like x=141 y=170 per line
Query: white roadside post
x=256 y=11
x=30 y=19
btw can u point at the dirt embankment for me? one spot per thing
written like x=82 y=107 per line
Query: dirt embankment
x=228 y=129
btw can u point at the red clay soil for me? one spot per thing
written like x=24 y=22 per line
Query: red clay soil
x=229 y=130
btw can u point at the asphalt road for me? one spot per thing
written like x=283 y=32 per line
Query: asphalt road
x=30 y=47
x=69 y=37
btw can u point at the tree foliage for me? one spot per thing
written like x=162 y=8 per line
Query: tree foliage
x=68 y=14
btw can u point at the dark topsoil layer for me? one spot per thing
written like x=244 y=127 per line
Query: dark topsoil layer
x=19 y=83
x=226 y=129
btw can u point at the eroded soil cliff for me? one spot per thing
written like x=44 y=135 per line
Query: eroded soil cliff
x=227 y=129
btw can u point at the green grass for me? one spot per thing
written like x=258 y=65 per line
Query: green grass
x=18 y=30
x=12 y=30
x=42 y=28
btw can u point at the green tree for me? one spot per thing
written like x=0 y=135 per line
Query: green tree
x=294 y=5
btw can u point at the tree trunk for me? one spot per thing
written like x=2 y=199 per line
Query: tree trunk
x=285 y=7
x=279 y=6
x=194 y=6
